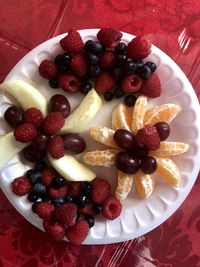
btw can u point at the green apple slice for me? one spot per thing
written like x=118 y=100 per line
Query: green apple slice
x=71 y=169
x=9 y=147
x=25 y=94
x=81 y=117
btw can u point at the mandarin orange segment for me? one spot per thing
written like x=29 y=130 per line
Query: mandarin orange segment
x=144 y=184
x=124 y=185
x=121 y=118
x=170 y=149
x=166 y=112
x=139 y=113
x=103 y=135
x=100 y=157
x=167 y=169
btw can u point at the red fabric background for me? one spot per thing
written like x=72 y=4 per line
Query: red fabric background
x=172 y=25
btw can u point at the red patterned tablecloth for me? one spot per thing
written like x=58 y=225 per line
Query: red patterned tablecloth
x=172 y=25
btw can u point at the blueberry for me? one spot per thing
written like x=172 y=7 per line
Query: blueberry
x=69 y=199
x=120 y=59
x=94 y=47
x=83 y=200
x=151 y=65
x=58 y=60
x=66 y=58
x=108 y=96
x=86 y=186
x=129 y=68
x=85 y=87
x=58 y=181
x=34 y=176
x=120 y=48
x=117 y=74
x=98 y=208
x=63 y=68
x=59 y=201
x=32 y=197
x=90 y=220
x=94 y=71
x=130 y=100
x=46 y=198
x=40 y=166
x=34 y=206
x=92 y=59
x=53 y=83
x=144 y=72
x=118 y=93
x=39 y=188
x=139 y=62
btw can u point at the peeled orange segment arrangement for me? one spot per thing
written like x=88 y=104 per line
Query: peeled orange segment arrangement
x=124 y=185
x=167 y=169
x=144 y=184
x=100 y=158
x=170 y=149
x=138 y=113
x=121 y=118
x=165 y=112
x=103 y=135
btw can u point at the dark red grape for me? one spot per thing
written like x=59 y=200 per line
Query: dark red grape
x=127 y=163
x=74 y=143
x=32 y=154
x=14 y=116
x=40 y=142
x=163 y=130
x=61 y=104
x=124 y=139
x=148 y=165
x=140 y=152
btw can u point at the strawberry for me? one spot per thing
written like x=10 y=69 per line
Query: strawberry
x=34 y=116
x=58 y=192
x=131 y=84
x=79 y=65
x=56 y=230
x=25 y=133
x=53 y=123
x=100 y=190
x=112 y=208
x=45 y=210
x=152 y=86
x=77 y=233
x=21 y=186
x=48 y=69
x=69 y=83
x=67 y=214
x=148 y=137
x=47 y=176
x=72 y=43
x=107 y=60
x=139 y=47
x=104 y=82
x=56 y=147
x=109 y=37
x=75 y=189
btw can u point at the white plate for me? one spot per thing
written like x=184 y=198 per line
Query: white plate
x=138 y=216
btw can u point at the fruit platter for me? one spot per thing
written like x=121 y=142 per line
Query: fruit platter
x=99 y=136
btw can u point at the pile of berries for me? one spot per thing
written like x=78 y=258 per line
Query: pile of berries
x=136 y=148
x=66 y=208
x=30 y=127
x=113 y=68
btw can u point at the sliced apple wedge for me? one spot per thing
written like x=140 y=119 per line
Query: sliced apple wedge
x=71 y=169
x=25 y=94
x=81 y=117
x=9 y=147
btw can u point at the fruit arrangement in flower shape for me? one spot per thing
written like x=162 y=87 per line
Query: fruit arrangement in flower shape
x=138 y=147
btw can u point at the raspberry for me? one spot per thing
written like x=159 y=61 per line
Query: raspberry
x=48 y=69
x=78 y=65
x=107 y=60
x=34 y=116
x=131 y=84
x=72 y=43
x=77 y=233
x=100 y=190
x=45 y=210
x=109 y=37
x=152 y=86
x=75 y=189
x=56 y=147
x=112 y=208
x=104 y=82
x=56 y=231
x=88 y=210
x=139 y=47
x=66 y=214
x=47 y=176
x=25 y=133
x=21 y=186
x=69 y=83
x=58 y=192
x=148 y=137
x=53 y=122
